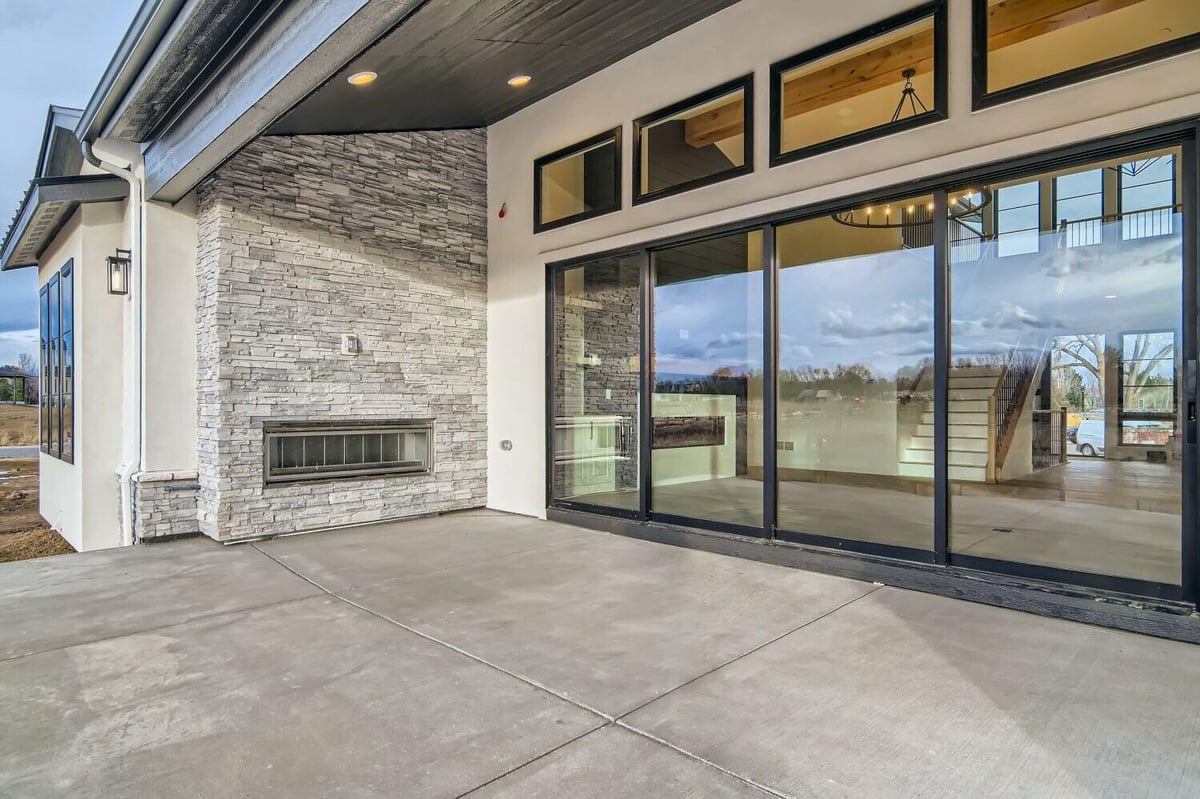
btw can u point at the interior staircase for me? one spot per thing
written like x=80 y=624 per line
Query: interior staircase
x=968 y=410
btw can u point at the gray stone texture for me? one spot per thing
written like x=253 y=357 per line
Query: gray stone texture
x=164 y=505
x=302 y=239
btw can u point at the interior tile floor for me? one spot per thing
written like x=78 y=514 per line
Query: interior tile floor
x=482 y=654
x=1090 y=515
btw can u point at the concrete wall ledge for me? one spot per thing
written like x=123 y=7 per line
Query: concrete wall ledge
x=164 y=477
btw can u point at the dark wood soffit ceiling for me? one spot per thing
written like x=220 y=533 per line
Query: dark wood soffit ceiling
x=447 y=66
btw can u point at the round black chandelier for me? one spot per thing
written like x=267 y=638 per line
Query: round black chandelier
x=903 y=215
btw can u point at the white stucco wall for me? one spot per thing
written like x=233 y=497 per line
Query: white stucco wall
x=60 y=493
x=99 y=348
x=81 y=500
x=744 y=38
x=170 y=351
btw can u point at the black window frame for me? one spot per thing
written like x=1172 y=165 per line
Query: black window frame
x=52 y=383
x=66 y=359
x=613 y=135
x=746 y=85
x=936 y=10
x=1161 y=416
x=1120 y=199
x=45 y=390
x=1184 y=133
x=981 y=98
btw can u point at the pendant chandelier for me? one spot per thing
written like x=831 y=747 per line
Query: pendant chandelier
x=960 y=206
x=909 y=95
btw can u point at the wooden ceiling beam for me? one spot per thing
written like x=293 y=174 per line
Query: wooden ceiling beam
x=1009 y=22
x=1014 y=21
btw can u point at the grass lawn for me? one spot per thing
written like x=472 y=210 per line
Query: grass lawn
x=18 y=425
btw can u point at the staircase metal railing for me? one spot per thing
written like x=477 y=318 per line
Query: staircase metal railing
x=1049 y=438
x=1007 y=400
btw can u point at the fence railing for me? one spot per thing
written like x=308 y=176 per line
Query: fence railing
x=1049 y=438
x=1142 y=224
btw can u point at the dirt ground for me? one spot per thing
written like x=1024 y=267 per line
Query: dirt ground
x=23 y=532
x=18 y=425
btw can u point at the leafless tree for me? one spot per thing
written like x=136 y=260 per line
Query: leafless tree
x=27 y=364
x=1087 y=352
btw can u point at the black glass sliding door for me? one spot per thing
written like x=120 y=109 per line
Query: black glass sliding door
x=855 y=411
x=1066 y=405
x=706 y=458
x=995 y=374
x=595 y=337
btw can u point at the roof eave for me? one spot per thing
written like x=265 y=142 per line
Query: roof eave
x=137 y=46
x=59 y=197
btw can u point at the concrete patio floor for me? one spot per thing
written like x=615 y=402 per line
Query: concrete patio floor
x=484 y=654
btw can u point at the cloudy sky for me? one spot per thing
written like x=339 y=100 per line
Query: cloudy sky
x=877 y=310
x=50 y=52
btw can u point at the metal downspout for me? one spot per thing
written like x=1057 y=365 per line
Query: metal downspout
x=134 y=465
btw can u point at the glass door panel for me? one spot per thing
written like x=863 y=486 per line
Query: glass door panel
x=855 y=419
x=707 y=406
x=596 y=330
x=1064 y=392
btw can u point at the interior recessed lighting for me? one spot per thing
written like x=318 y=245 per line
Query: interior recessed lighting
x=364 y=78
x=517 y=81
x=1110 y=296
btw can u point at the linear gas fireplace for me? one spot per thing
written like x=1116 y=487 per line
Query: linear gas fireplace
x=330 y=450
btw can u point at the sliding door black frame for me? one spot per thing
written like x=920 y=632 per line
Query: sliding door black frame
x=1183 y=134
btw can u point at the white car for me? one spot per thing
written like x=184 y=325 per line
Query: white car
x=1089 y=438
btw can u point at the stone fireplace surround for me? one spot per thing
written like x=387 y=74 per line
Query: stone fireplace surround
x=301 y=240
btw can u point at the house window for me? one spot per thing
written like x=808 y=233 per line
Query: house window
x=57 y=334
x=578 y=182
x=1147 y=197
x=1148 y=388
x=1018 y=219
x=696 y=142
x=1026 y=47
x=876 y=81
x=323 y=451
x=1079 y=207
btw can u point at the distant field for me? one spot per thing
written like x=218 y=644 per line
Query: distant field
x=18 y=425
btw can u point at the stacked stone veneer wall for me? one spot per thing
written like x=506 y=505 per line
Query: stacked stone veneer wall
x=302 y=239
x=164 y=505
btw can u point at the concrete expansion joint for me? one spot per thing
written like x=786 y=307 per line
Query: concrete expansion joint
x=608 y=720
x=523 y=678
x=675 y=748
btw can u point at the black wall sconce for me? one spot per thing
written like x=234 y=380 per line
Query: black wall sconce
x=118 y=272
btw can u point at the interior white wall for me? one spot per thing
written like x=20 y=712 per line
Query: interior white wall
x=746 y=37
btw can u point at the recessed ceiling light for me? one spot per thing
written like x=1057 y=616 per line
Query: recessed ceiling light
x=365 y=78
x=1110 y=296
x=517 y=81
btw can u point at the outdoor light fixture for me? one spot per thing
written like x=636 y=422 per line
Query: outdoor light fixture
x=517 y=81
x=364 y=78
x=118 y=272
